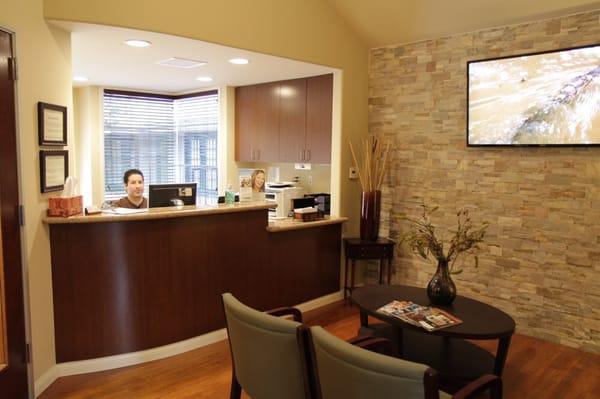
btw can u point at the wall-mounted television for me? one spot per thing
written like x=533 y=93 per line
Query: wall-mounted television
x=550 y=98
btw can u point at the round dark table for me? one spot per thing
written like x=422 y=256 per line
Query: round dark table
x=457 y=361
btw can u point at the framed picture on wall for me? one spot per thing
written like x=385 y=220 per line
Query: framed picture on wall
x=54 y=168
x=52 y=124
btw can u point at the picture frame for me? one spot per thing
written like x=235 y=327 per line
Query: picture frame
x=54 y=169
x=52 y=124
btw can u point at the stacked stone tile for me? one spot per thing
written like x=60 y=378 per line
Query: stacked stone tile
x=541 y=261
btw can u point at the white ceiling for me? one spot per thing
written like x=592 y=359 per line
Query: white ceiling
x=100 y=54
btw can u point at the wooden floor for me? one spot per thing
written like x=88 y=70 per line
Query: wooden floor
x=534 y=369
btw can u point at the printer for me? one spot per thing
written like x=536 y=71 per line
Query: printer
x=281 y=194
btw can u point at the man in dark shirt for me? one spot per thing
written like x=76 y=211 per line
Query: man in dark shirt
x=134 y=186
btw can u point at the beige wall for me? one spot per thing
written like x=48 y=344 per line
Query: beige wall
x=44 y=57
x=542 y=260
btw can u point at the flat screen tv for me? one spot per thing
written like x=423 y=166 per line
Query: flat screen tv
x=541 y=99
x=177 y=194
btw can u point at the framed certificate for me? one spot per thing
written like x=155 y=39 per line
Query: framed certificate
x=54 y=167
x=52 y=124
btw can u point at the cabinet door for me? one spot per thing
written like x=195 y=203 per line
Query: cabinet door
x=292 y=120
x=319 y=98
x=266 y=147
x=245 y=123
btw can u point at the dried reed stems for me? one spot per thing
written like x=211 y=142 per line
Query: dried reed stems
x=371 y=169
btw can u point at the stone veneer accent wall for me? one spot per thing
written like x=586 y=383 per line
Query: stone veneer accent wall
x=541 y=263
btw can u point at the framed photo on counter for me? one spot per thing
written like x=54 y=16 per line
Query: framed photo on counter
x=54 y=168
x=52 y=124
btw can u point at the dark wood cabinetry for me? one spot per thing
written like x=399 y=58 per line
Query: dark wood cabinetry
x=319 y=98
x=287 y=121
x=130 y=285
x=257 y=115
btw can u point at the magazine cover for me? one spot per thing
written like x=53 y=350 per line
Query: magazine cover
x=426 y=317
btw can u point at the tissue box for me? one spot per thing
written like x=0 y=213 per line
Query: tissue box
x=69 y=206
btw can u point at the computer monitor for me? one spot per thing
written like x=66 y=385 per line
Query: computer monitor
x=172 y=194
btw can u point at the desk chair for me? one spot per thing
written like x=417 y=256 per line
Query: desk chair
x=267 y=360
x=341 y=370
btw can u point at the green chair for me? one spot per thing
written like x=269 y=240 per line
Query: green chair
x=342 y=370
x=268 y=360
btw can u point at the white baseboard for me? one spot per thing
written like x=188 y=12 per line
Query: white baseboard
x=45 y=380
x=130 y=359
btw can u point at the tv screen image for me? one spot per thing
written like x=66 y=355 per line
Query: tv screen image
x=550 y=98
x=161 y=195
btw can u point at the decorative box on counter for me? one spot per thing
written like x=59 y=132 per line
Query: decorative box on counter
x=308 y=214
x=65 y=206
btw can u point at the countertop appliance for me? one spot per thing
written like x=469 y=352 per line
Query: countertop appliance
x=282 y=196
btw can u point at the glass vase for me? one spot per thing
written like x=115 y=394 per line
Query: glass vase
x=370 y=206
x=441 y=289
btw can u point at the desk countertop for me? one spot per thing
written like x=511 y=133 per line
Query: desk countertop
x=291 y=224
x=162 y=213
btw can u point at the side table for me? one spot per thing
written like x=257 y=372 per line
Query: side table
x=357 y=249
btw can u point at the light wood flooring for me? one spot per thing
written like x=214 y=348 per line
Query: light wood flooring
x=534 y=369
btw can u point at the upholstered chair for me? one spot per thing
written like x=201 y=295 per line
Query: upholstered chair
x=342 y=370
x=268 y=362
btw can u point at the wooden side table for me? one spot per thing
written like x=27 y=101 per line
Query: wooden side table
x=357 y=249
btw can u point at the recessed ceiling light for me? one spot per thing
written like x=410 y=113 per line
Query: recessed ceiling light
x=204 y=79
x=239 y=61
x=138 y=43
x=80 y=79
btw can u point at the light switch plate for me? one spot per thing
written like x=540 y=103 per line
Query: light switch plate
x=353 y=174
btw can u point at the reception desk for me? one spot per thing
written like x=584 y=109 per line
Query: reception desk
x=125 y=283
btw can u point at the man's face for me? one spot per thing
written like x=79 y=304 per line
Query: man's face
x=135 y=186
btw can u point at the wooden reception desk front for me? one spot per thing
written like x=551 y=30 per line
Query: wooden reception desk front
x=127 y=283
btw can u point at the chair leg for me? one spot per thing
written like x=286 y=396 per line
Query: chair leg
x=236 y=389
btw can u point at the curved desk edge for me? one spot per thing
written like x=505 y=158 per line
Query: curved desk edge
x=161 y=213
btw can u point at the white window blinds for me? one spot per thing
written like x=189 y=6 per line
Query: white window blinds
x=170 y=139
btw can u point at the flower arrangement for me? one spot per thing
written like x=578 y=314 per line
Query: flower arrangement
x=422 y=239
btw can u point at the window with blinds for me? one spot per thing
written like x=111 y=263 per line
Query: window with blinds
x=170 y=139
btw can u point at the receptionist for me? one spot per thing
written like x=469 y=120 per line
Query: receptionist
x=134 y=186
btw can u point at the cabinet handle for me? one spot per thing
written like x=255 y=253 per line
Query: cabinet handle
x=252 y=154
x=301 y=155
x=307 y=157
x=257 y=155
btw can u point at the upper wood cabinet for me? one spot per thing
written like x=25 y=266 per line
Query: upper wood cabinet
x=319 y=104
x=257 y=122
x=287 y=121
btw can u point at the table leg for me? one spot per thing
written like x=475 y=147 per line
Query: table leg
x=397 y=342
x=501 y=354
x=352 y=268
x=346 y=278
x=389 y=262
x=364 y=319
x=381 y=265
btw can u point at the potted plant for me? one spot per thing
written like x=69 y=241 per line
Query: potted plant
x=423 y=240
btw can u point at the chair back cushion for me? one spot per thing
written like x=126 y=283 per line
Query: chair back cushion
x=265 y=350
x=349 y=372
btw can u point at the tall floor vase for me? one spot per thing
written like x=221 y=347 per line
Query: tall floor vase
x=370 y=207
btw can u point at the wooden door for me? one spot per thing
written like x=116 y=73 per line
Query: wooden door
x=267 y=122
x=13 y=372
x=292 y=120
x=319 y=105
x=245 y=123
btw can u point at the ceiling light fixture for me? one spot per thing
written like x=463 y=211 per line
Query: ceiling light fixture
x=239 y=61
x=138 y=43
x=204 y=79
x=80 y=79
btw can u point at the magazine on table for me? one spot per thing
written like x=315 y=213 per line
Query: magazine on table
x=426 y=317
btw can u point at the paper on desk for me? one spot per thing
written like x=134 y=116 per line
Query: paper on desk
x=124 y=211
